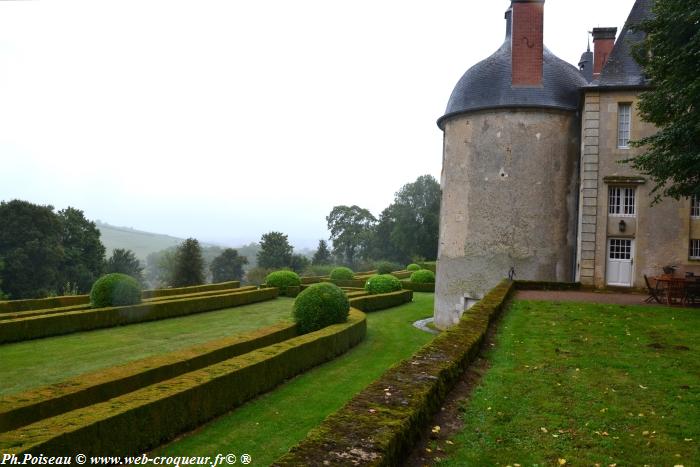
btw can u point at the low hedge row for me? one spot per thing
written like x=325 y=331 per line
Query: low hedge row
x=310 y=279
x=14 y=306
x=85 y=320
x=418 y=287
x=380 y=425
x=191 y=289
x=402 y=274
x=51 y=311
x=430 y=265
x=87 y=389
x=355 y=283
x=135 y=422
x=369 y=303
x=544 y=285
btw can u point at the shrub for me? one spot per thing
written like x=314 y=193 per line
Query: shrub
x=386 y=267
x=342 y=274
x=283 y=279
x=382 y=283
x=412 y=267
x=320 y=305
x=257 y=275
x=317 y=270
x=115 y=289
x=423 y=276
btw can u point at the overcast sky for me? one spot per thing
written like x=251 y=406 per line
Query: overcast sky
x=223 y=120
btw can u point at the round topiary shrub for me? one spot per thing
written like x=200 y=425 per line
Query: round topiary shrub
x=382 y=283
x=412 y=267
x=386 y=267
x=320 y=305
x=283 y=279
x=423 y=276
x=342 y=274
x=115 y=290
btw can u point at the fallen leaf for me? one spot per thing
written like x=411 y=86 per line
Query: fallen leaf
x=544 y=430
x=562 y=461
x=449 y=442
x=436 y=429
x=643 y=387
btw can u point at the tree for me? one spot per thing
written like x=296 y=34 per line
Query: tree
x=2 y=266
x=189 y=264
x=322 y=255
x=275 y=251
x=228 y=266
x=299 y=263
x=416 y=215
x=160 y=267
x=83 y=252
x=30 y=245
x=125 y=262
x=351 y=232
x=670 y=57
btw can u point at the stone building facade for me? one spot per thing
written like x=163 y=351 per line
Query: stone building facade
x=532 y=180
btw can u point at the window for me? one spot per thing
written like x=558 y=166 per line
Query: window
x=694 y=249
x=621 y=201
x=620 y=249
x=624 y=114
x=695 y=206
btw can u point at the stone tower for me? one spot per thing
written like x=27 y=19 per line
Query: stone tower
x=510 y=167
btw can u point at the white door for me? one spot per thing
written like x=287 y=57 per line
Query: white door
x=620 y=261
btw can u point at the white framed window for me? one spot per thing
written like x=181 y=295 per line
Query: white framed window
x=622 y=201
x=695 y=207
x=620 y=248
x=624 y=120
x=694 y=249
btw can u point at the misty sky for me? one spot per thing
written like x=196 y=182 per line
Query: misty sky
x=223 y=120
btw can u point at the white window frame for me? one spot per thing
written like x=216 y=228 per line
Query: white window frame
x=694 y=251
x=622 y=201
x=624 y=125
x=695 y=207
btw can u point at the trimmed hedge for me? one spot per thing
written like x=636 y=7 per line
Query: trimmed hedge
x=354 y=283
x=380 y=425
x=341 y=274
x=423 y=276
x=430 y=265
x=369 y=303
x=191 y=289
x=115 y=289
x=382 y=283
x=310 y=279
x=138 y=421
x=96 y=318
x=282 y=280
x=319 y=306
x=418 y=287
x=87 y=389
x=14 y=306
x=27 y=314
x=412 y=267
x=401 y=274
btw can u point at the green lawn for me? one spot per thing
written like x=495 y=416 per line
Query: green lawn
x=584 y=384
x=268 y=426
x=45 y=361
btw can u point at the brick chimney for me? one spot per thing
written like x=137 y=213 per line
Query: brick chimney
x=603 y=43
x=528 y=47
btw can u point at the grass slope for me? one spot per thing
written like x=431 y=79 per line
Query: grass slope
x=267 y=427
x=141 y=243
x=583 y=384
x=40 y=362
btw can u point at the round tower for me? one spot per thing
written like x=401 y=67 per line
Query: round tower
x=510 y=169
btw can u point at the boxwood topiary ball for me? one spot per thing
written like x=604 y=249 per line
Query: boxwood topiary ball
x=382 y=283
x=412 y=267
x=115 y=290
x=283 y=279
x=423 y=276
x=320 y=305
x=342 y=274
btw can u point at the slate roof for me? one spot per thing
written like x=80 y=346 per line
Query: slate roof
x=621 y=69
x=488 y=85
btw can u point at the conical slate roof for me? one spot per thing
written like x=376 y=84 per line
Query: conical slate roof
x=488 y=85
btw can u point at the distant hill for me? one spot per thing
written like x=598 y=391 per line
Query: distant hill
x=140 y=242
